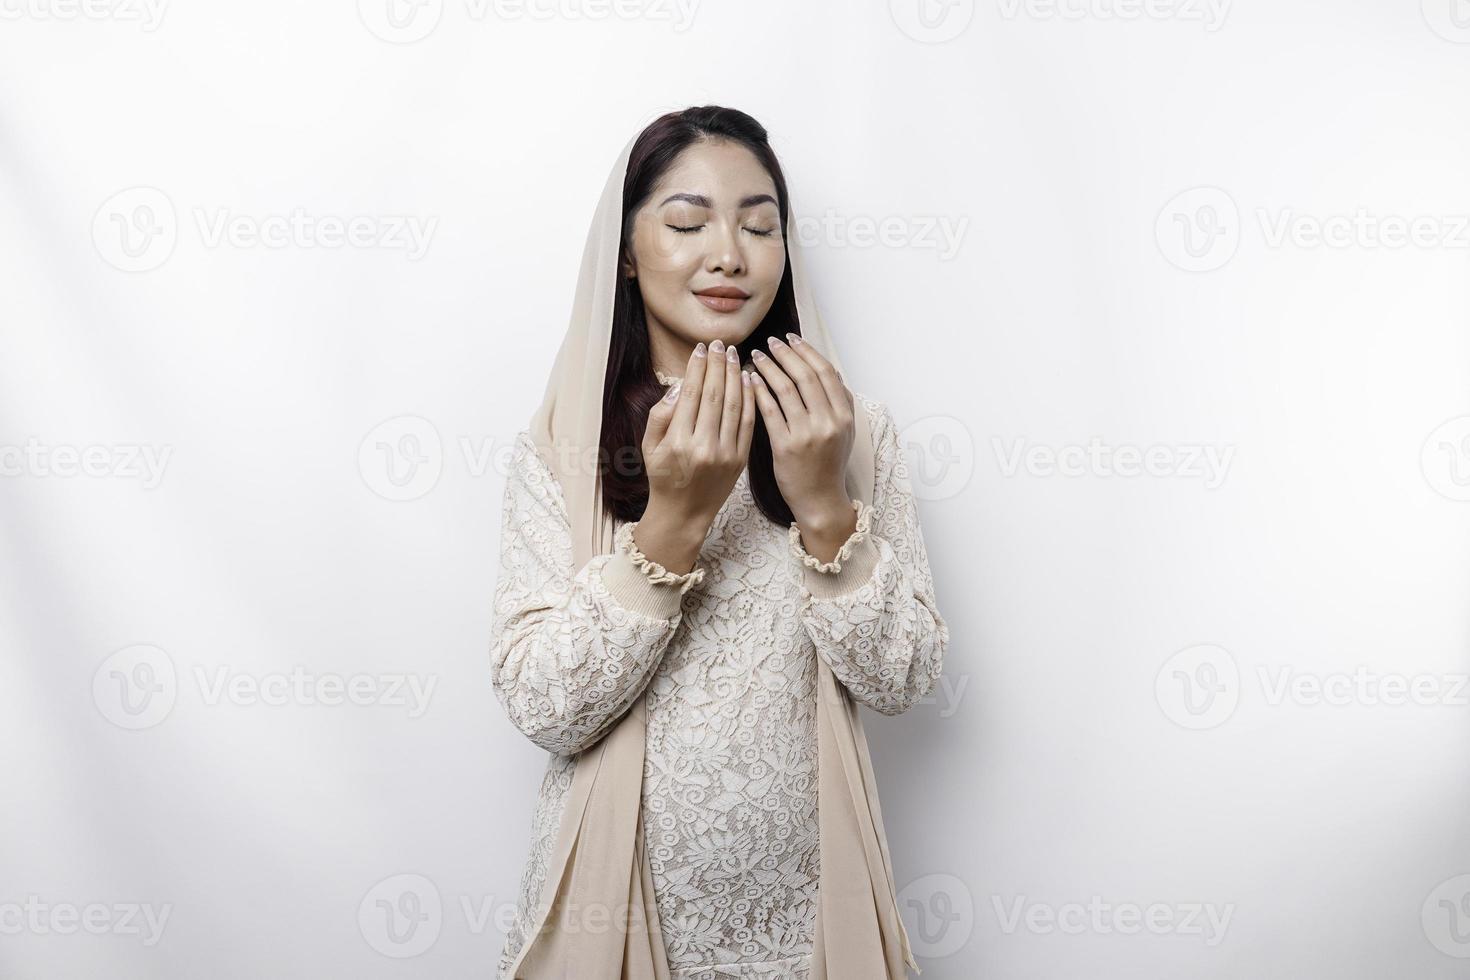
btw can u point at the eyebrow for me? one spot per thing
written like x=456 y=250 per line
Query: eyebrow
x=699 y=200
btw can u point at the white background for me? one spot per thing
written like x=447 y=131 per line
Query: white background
x=1137 y=197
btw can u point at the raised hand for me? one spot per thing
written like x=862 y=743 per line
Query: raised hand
x=808 y=412
x=696 y=444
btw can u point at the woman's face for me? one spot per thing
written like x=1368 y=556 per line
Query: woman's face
x=711 y=223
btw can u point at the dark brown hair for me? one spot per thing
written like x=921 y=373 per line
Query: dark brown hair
x=630 y=388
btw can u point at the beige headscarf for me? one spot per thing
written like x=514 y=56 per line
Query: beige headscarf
x=597 y=919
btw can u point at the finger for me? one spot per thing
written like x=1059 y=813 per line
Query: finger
x=711 y=397
x=813 y=396
x=780 y=387
x=688 y=409
x=747 y=414
x=770 y=409
x=827 y=375
x=660 y=415
x=734 y=396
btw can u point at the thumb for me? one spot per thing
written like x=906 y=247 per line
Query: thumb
x=661 y=415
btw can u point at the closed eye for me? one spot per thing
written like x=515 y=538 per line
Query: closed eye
x=693 y=228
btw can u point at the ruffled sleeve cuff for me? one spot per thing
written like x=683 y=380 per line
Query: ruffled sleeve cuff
x=642 y=585
x=853 y=564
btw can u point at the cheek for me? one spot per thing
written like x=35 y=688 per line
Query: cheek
x=663 y=251
x=768 y=265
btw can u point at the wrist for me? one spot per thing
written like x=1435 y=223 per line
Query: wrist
x=832 y=516
x=671 y=539
x=824 y=529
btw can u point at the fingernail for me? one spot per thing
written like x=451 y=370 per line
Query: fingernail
x=699 y=349
x=776 y=340
x=745 y=378
x=673 y=392
x=758 y=354
x=795 y=339
x=717 y=346
x=732 y=356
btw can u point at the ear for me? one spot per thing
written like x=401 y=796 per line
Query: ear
x=630 y=268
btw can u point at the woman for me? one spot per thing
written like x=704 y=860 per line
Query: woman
x=706 y=565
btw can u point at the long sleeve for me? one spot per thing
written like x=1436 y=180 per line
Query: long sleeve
x=571 y=648
x=871 y=611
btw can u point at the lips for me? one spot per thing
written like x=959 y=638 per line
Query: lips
x=723 y=299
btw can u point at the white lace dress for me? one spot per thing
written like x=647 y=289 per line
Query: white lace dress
x=724 y=657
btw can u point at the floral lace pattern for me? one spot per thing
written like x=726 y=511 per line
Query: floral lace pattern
x=655 y=572
x=859 y=535
x=729 y=681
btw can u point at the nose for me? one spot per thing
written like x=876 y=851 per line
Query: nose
x=725 y=254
